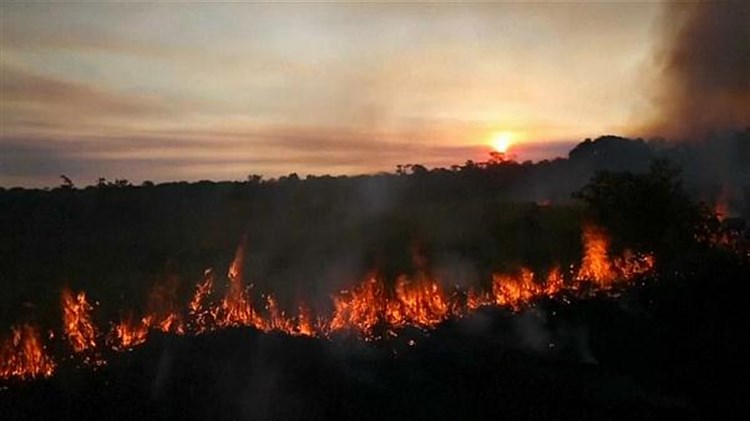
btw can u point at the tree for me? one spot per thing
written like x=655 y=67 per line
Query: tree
x=121 y=182
x=648 y=211
x=254 y=179
x=497 y=158
x=418 y=169
x=67 y=183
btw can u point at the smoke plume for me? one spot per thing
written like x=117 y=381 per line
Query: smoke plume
x=703 y=84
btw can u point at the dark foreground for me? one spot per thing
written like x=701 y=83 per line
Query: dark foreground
x=655 y=352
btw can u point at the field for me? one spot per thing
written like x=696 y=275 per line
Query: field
x=427 y=294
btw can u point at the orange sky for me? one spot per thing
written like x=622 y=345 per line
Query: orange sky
x=218 y=91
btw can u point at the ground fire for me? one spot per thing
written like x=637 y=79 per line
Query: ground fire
x=367 y=310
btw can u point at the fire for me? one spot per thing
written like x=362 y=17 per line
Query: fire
x=277 y=318
x=77 y=324
x=369 y=309
x=304 y=322
x=418 y=302
x=163 y=309
x=596 y=265
x=513 y=290
x=630 y=265
x=129 y=333
x=23 y=355
x=721 y=204
x=361 y=308
x=236 y=308
x=162 y=313
x=555 y=282
x=204 y=319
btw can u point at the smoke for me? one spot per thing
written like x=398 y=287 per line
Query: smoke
x=703 y=84
x=547 y=334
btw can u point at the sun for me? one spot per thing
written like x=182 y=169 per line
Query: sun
x=501 y=141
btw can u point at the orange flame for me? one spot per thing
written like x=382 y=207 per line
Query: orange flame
x=202 y=316
x=304 y=322
x=419 y=302
x=599 y=268
x=163 y=310
x=361 y=308
x=596 y=265
x=276 y=318
x=369 y=308
x=513 y=291
x=129 y=333
x=77 y=324
x=236 y=308
x=162 y=313
x=23 y=356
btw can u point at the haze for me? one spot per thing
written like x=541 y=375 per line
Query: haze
x=194 y=91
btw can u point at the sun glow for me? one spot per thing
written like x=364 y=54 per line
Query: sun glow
x=501 y=141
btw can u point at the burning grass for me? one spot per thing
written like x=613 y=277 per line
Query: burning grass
x=369 y=309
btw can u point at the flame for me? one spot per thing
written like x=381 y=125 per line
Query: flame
x=599 y=268
x=276 y=318
x=417 y=302
x=630 y=265
x=236 y=308
x=163 y=310
x=476 y=299
x=23 y=355
x=596 y=265
x=721 y=202
x=555 y=282
x=162 y=313
x=129 y=333
x=370 y=309
x=304 y=322
x=360 y=308
x=204 y=319
x=77 y=325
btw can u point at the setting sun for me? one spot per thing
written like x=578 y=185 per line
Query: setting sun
x=501 y=141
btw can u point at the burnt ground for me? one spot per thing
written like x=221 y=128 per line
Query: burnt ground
x=656 y=351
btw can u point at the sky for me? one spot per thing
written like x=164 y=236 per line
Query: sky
x=218 y=91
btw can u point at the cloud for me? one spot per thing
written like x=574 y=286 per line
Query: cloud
x=29 y=99
x=271 y=151
x=309 y=88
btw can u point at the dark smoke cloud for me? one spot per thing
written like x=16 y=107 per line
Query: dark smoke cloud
x=704 y=60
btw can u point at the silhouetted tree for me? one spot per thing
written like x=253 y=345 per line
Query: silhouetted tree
x=121 y=182
x=67 y=183
x=417 y=169
x=254 y=179
x=498 y=157
x=650 y=211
